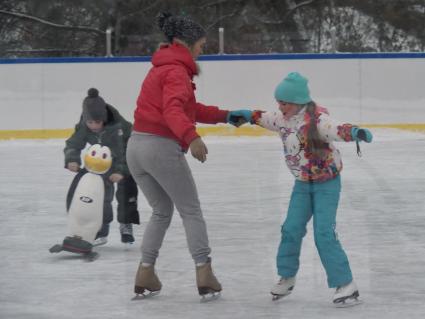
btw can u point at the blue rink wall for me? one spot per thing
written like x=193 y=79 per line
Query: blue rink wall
x=41 y=97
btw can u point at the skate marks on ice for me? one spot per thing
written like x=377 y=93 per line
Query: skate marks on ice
x=128 y=246
x=343 y=302
x=147 y=295
x=346 y=303
x=203 y=298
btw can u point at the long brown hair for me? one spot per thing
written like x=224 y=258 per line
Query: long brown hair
x=315 y=145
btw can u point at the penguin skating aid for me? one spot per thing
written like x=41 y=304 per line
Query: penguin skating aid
x=85 y=213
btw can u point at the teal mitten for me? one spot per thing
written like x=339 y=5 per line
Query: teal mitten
x=361 y=134
x=239 y=117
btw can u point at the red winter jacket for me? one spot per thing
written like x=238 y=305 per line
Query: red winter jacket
x=166 y=105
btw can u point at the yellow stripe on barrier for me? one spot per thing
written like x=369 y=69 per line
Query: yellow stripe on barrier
x=35 y=134
x=219 y=130
x=407 y=127
x=227 y=130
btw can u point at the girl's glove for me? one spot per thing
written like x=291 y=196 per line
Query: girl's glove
x=239 y=117
x=361 y=134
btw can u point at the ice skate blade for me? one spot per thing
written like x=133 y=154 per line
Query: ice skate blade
x=276 y=297
x=280 y=296
x=99 y=243
x=351 y=302
x=211 y=296
x=146 y=295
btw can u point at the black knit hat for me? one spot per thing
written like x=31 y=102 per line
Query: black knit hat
x=180 y=27
x=94 y=107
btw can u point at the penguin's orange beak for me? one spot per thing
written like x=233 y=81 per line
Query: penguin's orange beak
x=97 y=165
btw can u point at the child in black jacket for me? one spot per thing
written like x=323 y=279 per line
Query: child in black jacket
x=100 y=123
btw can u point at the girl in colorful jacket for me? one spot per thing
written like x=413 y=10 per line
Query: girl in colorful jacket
x=164 y=129
x=307 y=133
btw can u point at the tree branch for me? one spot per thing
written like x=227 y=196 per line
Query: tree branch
x=132 y=13
x=212 y=4
x=220 y=19
x=286 y=15
x=51 y=24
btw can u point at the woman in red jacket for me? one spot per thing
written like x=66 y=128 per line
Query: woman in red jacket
x=164 y=129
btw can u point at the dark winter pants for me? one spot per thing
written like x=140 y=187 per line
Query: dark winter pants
x=126 y=196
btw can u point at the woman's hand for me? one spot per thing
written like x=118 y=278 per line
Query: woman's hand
x=198 y=149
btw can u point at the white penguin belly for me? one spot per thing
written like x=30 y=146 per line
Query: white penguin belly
x=85 y=215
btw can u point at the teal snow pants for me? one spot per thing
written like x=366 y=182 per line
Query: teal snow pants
x=320 y=200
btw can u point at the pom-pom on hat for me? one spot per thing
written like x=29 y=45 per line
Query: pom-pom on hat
x=180 y=27
x=293 y=89
x=94 y=107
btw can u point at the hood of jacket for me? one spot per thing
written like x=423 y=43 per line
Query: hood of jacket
x=175 y=54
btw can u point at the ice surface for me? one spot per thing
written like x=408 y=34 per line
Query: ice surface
x=244 y=188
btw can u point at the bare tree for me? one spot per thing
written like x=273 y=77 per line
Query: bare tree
x=63 y=27
x=51 y=24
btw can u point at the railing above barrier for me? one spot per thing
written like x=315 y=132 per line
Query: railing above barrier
x=226 y=57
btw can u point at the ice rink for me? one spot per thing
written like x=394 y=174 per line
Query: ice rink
x=244 y=188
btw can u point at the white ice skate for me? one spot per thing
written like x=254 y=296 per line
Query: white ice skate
x=100 y=241
x=347 y=296
x=283 y=288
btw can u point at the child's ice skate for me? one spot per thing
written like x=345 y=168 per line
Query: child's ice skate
x=102 y=236
x=100 y=241
x=346 y=296
x=126 y=231
x=283 y=288
x=208 y=286
x=147 y=283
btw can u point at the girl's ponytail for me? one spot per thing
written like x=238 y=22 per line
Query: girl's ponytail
x=315 y=145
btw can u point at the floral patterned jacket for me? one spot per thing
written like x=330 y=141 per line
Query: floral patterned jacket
x=293 y=132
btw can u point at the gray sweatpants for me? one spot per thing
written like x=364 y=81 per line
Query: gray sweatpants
x=160 y=169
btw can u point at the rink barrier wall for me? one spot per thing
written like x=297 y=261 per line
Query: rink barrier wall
x=41 y=97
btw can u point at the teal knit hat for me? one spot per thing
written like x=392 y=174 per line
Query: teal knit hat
x=293 y=89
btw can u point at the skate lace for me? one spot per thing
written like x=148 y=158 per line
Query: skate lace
x=340 y=288
x=126 y=229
